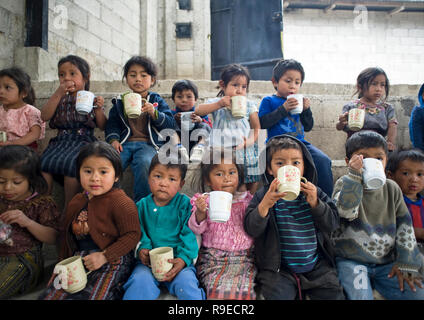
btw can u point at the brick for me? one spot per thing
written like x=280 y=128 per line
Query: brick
x=91 y=6
x=99 y=28
x=110 y=52
x=86 y=40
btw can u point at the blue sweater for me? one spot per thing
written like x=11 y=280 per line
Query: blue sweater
x=416 y=123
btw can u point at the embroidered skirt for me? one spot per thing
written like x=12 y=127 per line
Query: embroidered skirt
x=227 y=275
x=20 y=273
x=105 y=283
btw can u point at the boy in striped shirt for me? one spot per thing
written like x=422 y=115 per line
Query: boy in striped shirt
x=292 y=246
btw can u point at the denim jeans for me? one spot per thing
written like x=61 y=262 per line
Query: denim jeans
x=142 y=285
x=138 y=154
x=359 y=279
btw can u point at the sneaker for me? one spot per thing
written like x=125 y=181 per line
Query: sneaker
x=197 y=153
x=183 y=152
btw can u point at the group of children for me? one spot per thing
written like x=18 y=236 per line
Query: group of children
x=332 y=242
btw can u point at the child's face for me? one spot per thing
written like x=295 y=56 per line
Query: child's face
x=376 y=153
x=164 y=183
x=184 y=100
x=410 y=177
x=376 y=89
x=70 y=72
x=14 y=186
x=97 y=176
x=288 y=84
x=9 y=93
x=224 y=177
x=139 y=80
x=284 y=157
x=236 y=87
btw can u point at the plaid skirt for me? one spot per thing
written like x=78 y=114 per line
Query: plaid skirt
x=59 y=158
x=20 y=273
x=105 y=283
x=227 y=275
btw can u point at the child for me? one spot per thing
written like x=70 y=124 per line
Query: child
x=406 y=168
x=416 y=123
x=372 y=86
x=163 y=218
x=228 y=131
x=226 y=264
x=375 y=243
x=19 y=119
x=274 y=114
x=292 y=246
x=75 y=130
x=31 y=216
x=100 y=225
x=185 y=95
x=137 y=140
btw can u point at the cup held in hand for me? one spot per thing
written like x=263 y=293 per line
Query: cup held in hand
x=289 y=177
x=220 y=203
x=72 y=274
x=356 y=119
x=186 y=122
x=85 y=101
x=238 y=106
x=159 y=261
x=299 y=107
x=132 y=104
x=373 y=173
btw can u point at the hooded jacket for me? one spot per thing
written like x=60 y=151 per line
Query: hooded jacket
x=265 y=230
x=416 y=122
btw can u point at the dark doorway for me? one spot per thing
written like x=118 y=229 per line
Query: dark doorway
x=246 y=32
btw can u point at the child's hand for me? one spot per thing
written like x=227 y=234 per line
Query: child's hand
x=143 y=254
x=201 y=207
x=343 y=119
x=306 y=103
x=177 y=117
x=410 y=281
x=225 y=102
x=179 y=264
x=390 y=146
x=356 y=162
x=117 y=146
x=310 y=191
x=99 y=101
x=149 y=108
x=290 y=104
x=94 y=261
x=270 y=198
x=66 y=87
x=195 y=118
x=16 y=216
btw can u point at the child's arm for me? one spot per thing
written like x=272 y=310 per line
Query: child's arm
x=48 y=110
x=419 y=233
x=391 y=136
x=207 y=108
x=30 y=137
x=268 y=117
x=307 y=119
x=161 y=115
x=255 y=126
x=40 y=232
x=343 y=118
x=99 y=112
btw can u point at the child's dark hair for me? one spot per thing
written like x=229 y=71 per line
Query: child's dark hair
x=147 y=63
x=365 y=78
x=231 y=71
x=173 y=160
x=82 y=66
x=104 y=150
x=213 y=157
x=22 y=80
x=25 y=161
x=182 y=85
x=283 y=66
x=397 y=156
x=364 y=140
x=280 y=143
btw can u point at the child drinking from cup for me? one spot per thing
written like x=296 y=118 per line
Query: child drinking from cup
x=185 y=95
x=235 y=132
x=20 y=121
x=226 y=263
x=278 y=115
x=29 y=218
x=372 y=87
x=375 y=245
x=292 y=238
x=163 y=219
x=138 y=139
x=100 y=226
x=75 y=130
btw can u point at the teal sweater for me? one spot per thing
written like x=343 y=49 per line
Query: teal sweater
x=167 y=227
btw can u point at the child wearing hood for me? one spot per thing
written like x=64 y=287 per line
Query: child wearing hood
x=292 y=248
x=416 y=123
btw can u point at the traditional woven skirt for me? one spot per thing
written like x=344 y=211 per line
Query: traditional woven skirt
x=105 y=283
x=20 y=273
x=249 y=158
x=227 y=275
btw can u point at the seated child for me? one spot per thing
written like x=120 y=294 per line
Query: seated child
x=163 y=219
x=416 y=123
x=292 y=238
x=274 y=114
x=375 y=245
x=406 y=167
x=185 y=95
x=226 y=263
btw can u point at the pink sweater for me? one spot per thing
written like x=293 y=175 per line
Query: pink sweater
x=228 y=236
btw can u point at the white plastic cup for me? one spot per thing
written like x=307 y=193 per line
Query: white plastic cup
x=373 y=173
x=220 y=203
x=299 y=107
x=238 y=106
x=289 y=177
x=132 y=104
x=356 y=119
x=186 y=122
x=159 y=261
x=85 y=101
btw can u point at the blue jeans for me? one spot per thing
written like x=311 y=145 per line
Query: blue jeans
x=138 y=154
x=142 y=285
x=359 y=279
x=323 y=165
